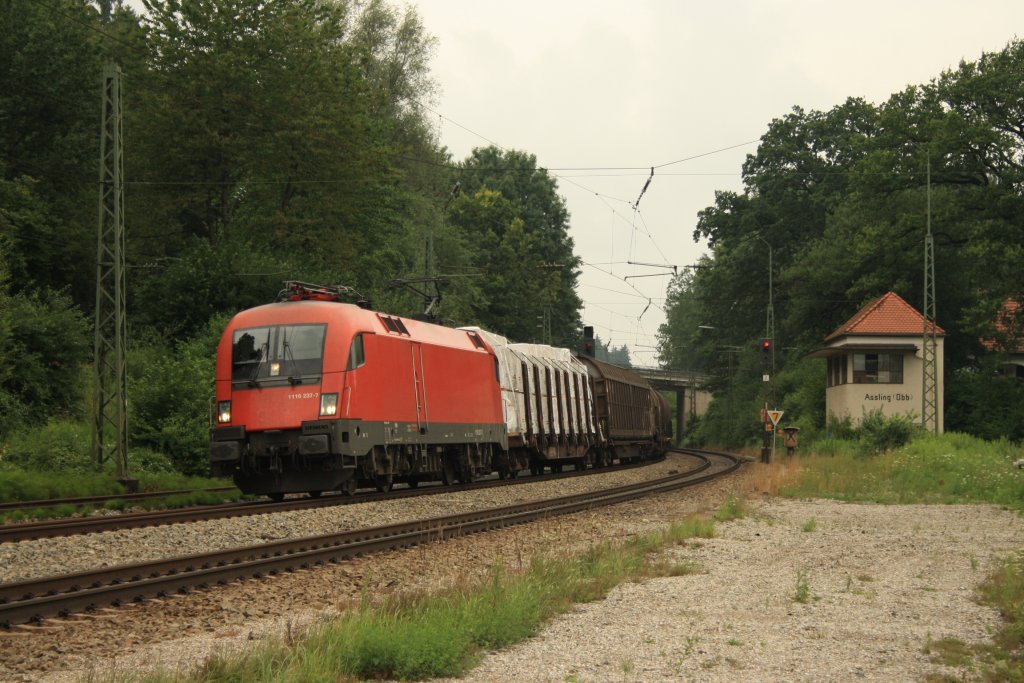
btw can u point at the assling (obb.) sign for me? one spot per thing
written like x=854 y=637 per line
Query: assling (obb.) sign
x=889 y=398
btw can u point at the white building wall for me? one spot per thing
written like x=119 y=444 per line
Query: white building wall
x=855 y=400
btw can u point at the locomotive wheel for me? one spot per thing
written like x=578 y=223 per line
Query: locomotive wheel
x=383 y=482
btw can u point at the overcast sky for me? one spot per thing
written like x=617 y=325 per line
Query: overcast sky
x=602 y=84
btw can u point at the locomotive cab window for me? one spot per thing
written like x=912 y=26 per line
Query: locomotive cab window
x=279 y=353
x=356 y=353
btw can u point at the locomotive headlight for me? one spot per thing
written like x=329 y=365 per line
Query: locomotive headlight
x=328 y=405
x=223 y=412
x=275 y=369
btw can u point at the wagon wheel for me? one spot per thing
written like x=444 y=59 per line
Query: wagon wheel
x=349 y=487
x=315 y=494
x=276 y=496
x=383 y=482
x=413 y=481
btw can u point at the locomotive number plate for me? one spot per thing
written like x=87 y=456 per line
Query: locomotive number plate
x=308 y=394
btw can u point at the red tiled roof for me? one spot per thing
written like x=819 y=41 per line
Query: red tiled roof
x=1009 y=326
x=889 y=314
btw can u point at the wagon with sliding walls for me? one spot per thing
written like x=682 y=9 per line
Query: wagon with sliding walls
x=629 y=414
x=547 y=403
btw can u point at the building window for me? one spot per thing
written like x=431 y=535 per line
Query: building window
x=877 y=368
x=837 y=370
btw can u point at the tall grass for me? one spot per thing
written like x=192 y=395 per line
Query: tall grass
x=426 y=636
x=20 y=485
x=947 y=468
x=1004 y=590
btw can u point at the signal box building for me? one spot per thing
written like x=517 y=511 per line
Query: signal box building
x=875 y=362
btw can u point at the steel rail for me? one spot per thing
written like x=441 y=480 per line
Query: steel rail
x=34 y=600
x=51 y=528
x=43 y=504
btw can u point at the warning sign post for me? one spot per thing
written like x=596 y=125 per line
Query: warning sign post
x=770 y=419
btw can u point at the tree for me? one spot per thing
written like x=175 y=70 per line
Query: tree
x=49 y=137
x=282 y=129
x=842 y=199
x=616 y=355
x=538 y=256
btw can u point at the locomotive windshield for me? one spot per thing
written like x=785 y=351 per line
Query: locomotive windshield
x=290 y=353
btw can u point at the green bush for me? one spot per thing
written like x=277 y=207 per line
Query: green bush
x=58 y=446
x=876 y=433
x=48 y=342
x=151 y=462
x=170 y=399
x=880 y=433
x=840 y=428
x=985 y=404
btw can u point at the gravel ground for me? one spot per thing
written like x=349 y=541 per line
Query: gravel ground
x=881 y=582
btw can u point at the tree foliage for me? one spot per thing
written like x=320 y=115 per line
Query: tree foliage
x=264 y=140
x=527 y=270
x=837 y=202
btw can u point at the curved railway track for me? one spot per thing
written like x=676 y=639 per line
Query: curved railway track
x=34 y=600
x=52 y=528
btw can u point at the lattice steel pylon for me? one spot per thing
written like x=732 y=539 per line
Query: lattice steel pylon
x=929 y=342
x=110 y=408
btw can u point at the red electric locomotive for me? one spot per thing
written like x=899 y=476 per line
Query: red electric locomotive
x=314 y=394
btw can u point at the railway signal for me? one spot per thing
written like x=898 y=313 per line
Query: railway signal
x=766 y=351
x=588 y=341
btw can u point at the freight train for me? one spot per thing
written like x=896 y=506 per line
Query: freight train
x=317 y=394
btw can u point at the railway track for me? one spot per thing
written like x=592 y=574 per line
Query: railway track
x=99 y=501
x=34 y=600
x=25 y=531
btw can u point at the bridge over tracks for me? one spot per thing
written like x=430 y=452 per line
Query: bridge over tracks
x=691 y=399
